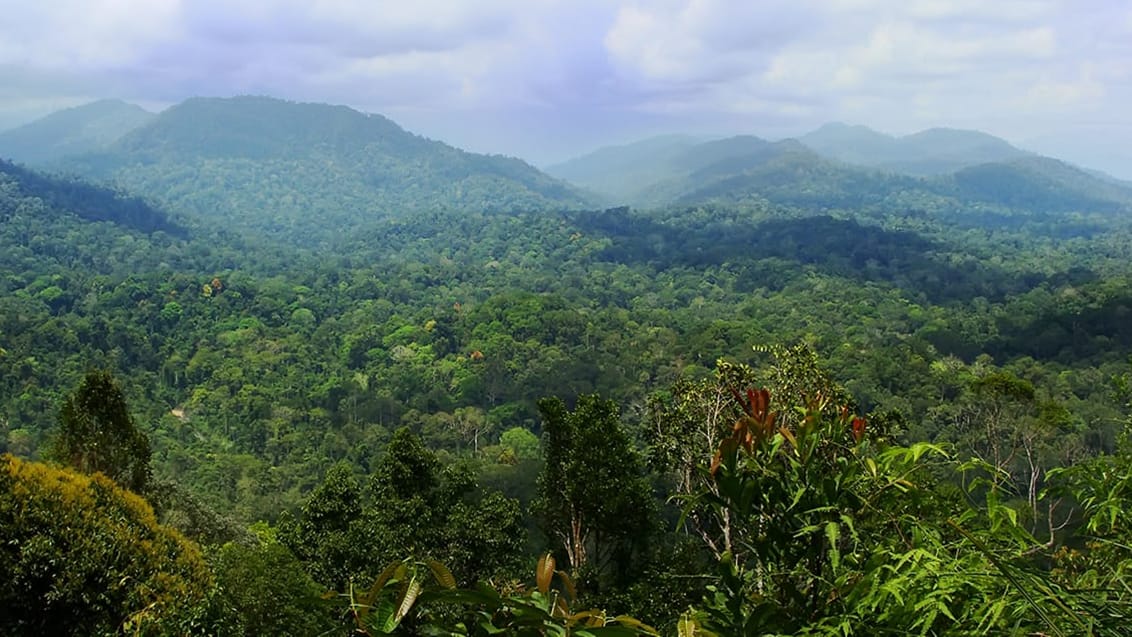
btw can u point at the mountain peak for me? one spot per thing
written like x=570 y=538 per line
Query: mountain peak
x=928 y=152
x=260 y=127
x=76 y=130
x=320 y=170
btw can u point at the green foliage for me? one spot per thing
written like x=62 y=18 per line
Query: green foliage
x=97 y=434
x=522 y=444
x=82 y=556
x=263 y=589
x=1097 y=568
x=88 y=201
x=265 y=348
x=179 y=508
x=388 y=602
x=422 y=594
x=328 y=532
x=414 y=506
x=837 y=532
x=592 y=499
x=415 y=321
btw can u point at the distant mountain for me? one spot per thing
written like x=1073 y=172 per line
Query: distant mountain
x=82 y=129
x=934 y=151
x=1030 y=185
x=619 y=173
x=733 y=168
x=713 y=167
x=940 y=169
x=1039 y=184
x=661 y=169
x=308 y=172
x=1100 y=149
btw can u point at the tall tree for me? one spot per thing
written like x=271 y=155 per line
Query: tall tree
x=431 y=510
x=592 y=498
x=327 y=533
x=97 y=433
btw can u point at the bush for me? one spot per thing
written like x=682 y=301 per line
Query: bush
x=80 y=555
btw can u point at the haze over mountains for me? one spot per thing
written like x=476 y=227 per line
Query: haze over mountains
x=310 y=172
x=840 y=166
x=72 y=131
x=930 y=152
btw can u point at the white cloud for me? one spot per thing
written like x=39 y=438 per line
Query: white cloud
x=702 y=41
x=904 y=65
x=577 y=68
x=83 y=34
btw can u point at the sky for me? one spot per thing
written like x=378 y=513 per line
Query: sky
x=549 y=79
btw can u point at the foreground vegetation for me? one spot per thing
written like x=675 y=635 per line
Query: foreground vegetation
x=794 y=518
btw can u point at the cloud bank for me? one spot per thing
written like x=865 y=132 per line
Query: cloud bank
x=547 y=78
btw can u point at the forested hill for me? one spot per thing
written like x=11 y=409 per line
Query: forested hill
x=934 y=151
x=81 y=129
x=308 y=173
x=983 y=173
x=29 y=197
x=655 y=170
x=620 y=172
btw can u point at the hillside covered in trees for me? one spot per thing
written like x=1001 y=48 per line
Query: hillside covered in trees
x=306 y=172
x=306 y=373
x=840 y=166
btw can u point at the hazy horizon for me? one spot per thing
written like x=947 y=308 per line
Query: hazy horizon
x=556 y=80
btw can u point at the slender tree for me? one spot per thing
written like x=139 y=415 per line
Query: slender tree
x=592 y=498
x=97 y=433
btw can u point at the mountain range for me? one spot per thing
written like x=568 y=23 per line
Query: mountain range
x=934 y=151
x=310 y=174
x=840 y=166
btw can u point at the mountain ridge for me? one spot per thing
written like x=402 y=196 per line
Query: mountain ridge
x=317 y=170
x=938 y=167
x=71 y=131
x=932 y=151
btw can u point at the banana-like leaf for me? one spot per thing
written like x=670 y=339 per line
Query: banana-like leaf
x=608 y=631
x=789 y=436
x=395 y=570
x=687 y=626
x=590 y=618
x=633 y=622
x=560 y=608
x=544 y=573
x=568 y=584
x=383 y=617
x=442 y=574
x=411 y=593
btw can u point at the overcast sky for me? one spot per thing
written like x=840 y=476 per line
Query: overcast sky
x=548 y=79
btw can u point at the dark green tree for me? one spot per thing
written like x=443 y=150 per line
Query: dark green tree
x=430 y=510
x=97 y=433
x=265 y=591
x=329 y=534
x=414 y=506
x=593 y=501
